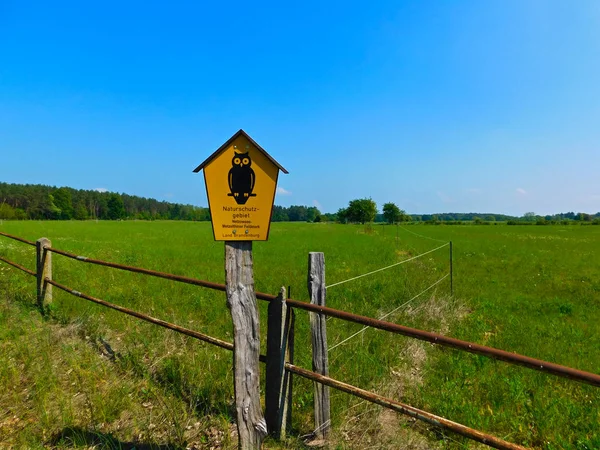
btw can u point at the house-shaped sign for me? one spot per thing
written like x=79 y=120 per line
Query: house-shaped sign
x=240 y=178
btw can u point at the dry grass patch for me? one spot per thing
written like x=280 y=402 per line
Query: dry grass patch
x=367 y=425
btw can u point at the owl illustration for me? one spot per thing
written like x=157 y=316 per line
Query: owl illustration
x=241 y=178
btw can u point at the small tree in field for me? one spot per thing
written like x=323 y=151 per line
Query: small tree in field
x=362 y=210
x=392 y=213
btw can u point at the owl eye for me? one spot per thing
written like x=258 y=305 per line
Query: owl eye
x=245 y=161
x=236 y=160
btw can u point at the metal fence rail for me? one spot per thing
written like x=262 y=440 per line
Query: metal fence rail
x=18 y=266
x=145 y=317
x=153 y=273
x=432 y=419
x=434 y=338
x=17 y=238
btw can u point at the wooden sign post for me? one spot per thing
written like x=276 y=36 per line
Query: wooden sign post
x=240 y=179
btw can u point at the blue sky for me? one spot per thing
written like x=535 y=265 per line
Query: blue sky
x=488 y=106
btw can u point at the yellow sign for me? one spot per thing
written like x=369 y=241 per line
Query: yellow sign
x=240 y=178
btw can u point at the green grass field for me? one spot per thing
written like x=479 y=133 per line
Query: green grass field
x=528 y=289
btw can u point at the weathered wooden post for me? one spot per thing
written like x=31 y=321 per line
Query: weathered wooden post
x=451 y=272
x=241 y=301
x=290 y=358
x=43 y=271
x=240 y=179
x=278 y=381
x=318 y=328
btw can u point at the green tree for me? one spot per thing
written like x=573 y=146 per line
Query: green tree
x=81 y=212
x=279 y=214
x=49 y=208
x=7 y=212
x=362 y=210
x=312 y=213
x=342 y=215
x=63 y=201
x=391 y=212
x=116 y=208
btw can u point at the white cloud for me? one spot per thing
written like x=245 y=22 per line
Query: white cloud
x=521 y=191
x=318 y=205
x=101 y=189
x=282 y=191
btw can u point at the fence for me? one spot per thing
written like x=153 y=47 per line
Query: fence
x=280 y=337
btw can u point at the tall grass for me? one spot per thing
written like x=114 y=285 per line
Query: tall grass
x=533 y=290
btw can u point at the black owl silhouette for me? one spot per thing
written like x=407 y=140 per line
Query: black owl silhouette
x=241 y=178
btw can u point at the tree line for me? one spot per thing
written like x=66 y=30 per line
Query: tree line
x=365 y=211
x=41 y=202
x=298 y=213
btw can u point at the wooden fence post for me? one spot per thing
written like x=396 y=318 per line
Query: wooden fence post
x=241 y=301
x=451 y=272
x=278 y=380
x=43 y=271
x=290 y=359
x=318 y=328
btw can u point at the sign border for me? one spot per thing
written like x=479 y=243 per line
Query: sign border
x=221 y=149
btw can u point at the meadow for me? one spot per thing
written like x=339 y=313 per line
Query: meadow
x=88 y=374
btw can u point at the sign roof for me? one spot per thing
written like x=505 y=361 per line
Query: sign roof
x=241 y=181
x=228 y=143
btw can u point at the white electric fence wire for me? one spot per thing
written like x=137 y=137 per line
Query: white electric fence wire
x=387 y=267
x=391 y=312
x=420 y=235
x=313 y=433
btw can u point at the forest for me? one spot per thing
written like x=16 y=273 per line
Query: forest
x=41 y=202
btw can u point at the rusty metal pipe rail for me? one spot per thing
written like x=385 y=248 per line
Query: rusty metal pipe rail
x=145 y=317
x=16 y=238
x=154 y=273
x=18 y=266
x=434 y=338
x=424 y=416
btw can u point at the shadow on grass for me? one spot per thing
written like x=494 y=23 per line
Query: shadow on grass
x=79 y=437
x=174 y=377
x=204 y=401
